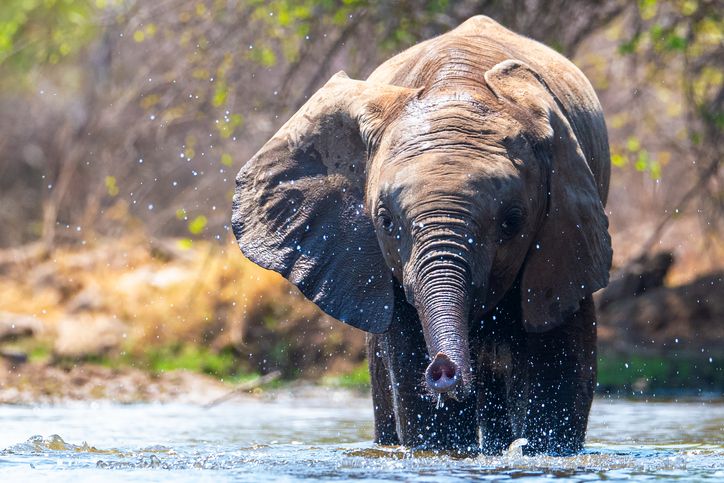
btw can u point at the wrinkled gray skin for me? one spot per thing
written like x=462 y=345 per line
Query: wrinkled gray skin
x=451 y=205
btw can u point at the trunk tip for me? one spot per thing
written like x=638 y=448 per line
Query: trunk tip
x=442 y=375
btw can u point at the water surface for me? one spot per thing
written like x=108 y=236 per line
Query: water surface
x=326 y=436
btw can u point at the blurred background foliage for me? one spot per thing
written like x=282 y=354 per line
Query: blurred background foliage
x=119 y=109
x=121 y=117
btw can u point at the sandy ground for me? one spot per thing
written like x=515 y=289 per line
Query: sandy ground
x=33 y=383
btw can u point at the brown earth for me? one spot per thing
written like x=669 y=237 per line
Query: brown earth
x=38 y=383
x=135 y=302
x=637 y=312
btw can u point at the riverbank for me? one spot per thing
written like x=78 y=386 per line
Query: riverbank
x=38 y=383
x=45 y=384
x=133 y=320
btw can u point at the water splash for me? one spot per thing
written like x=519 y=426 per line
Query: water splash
x=515 y=449
x=330 y=438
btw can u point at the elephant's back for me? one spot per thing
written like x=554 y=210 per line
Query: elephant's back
x=461 y=57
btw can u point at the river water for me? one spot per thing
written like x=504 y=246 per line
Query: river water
x=325 y=435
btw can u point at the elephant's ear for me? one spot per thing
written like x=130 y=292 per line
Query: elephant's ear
x=299 y=204
x=570 y=256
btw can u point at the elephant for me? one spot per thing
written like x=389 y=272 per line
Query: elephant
x=452 y=206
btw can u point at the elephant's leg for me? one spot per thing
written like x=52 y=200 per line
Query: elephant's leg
x=385 y=427
x=420 y=423
x=562 y=377
x=498 y=347
x=493 y=412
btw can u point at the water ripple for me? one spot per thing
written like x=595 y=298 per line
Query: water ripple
x=192 y=443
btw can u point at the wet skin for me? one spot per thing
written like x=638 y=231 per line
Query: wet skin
x=512 y=367
x=452 y=206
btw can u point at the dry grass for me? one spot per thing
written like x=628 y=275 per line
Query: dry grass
x=169 y=295
x=205 y=307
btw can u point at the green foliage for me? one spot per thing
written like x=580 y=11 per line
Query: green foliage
x=647 y=374
x=358 y=378
x=40 y=353
x=190 y=357
x=228 y=125
x=227 y=160
x=675 y=43
x=38 y=32
x=629 y=46
x=634 y=154
x=111 y=186
x=197 y=225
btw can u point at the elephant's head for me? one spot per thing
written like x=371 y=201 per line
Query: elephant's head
x=456 y=195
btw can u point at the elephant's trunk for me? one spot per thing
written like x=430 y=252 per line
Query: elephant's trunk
x=442 y=298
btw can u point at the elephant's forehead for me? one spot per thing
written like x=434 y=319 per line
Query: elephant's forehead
x=449 y=145
x=444 y=171
x=441 y=110
x=448 y=121
x=479 y=179
x=465 y=101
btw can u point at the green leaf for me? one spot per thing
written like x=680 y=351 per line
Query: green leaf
x=619 y=160
x=185 y=243
x=220 y=94
x=197 y=225
x=111 y=186
x=627 y=48
x=676 y=42
x=633 y=144
x=642 y=162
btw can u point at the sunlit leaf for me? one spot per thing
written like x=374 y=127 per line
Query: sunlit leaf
x=220 y=94
x=633 y=144
x=197 y=225
x=619 y=160
x=185 y=243
x=111 y=186
x=642 y=162
x=675 y=42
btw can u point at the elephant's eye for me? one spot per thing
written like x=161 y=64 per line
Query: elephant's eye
x=385 y=220
x=512 y=222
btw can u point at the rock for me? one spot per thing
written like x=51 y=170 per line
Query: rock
x=44 y=275
x=685 y=317
x=161 y=278
x=13 y=356
x=645 y=273
x=47 y=276
x=168 y=250
x=87 y=300
x=84 y=335
x=26 y=254
x=16 y=326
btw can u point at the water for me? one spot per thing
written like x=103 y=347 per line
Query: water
x=327 y=437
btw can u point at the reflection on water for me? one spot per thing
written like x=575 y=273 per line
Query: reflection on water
x=328 y=437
